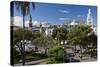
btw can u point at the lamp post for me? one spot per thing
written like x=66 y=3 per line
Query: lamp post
x=56 y=40
x=22 y=50
x=63 y=43
x=23 y=42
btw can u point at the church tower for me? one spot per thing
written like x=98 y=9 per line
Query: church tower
x=89 y=18
x=30 y=22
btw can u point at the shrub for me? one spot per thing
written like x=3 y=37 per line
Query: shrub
x=17 y=56
x=57 y=53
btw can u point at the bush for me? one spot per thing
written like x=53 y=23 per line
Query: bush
x=57 y=53
x=17 y=56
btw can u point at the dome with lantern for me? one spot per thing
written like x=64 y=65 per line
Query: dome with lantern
x=36 y=23
x=45 y=24
x=73 y=23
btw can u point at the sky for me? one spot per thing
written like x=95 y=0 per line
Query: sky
x=57 y=13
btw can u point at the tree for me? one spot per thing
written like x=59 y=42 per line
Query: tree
x=17 y=35
x=60 y=34
x=24 y=8
x=36 y=35
x=79 y=36
x=57 y=54
x=17 y=38
x=93 y=42
x=44 y=42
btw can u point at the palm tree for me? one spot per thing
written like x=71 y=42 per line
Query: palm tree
x=24 y=8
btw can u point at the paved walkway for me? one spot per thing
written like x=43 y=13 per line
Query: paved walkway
x=32 y=62
x=85 y=59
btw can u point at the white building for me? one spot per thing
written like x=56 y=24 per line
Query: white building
x=90 y=21
x=42 y=27
x=89 y=18
x=73 y=23
x=48 y=31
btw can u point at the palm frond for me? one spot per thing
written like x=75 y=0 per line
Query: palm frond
x=24 y=7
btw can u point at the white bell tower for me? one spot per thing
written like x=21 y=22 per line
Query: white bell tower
x=89 y=18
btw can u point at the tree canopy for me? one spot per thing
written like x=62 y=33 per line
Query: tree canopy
x=60 y=34
x=78 y=35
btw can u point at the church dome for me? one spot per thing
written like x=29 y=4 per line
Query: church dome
x=45 y=24
x=73 y=23
x=36 y=23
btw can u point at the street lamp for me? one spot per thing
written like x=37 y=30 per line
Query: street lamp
x=56 y=39
x=65 y=41
x=23 y=42
x=62 y=42
x=22 y=45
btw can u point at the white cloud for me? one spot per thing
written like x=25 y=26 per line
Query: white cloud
x=64 y=18
x=36 y=22
x=18 y=21
x=64 y=11
x=27 y=23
